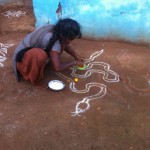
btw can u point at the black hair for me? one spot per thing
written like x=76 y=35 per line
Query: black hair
x=67 y=29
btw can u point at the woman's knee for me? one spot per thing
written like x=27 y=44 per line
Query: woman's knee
x=39 y=54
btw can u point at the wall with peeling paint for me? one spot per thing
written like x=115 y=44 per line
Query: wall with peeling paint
x=101 y=19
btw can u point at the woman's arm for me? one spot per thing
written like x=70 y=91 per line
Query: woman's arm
x=58 y=65
x=74 y=54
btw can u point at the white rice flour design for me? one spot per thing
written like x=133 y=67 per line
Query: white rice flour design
x=90 y=63
x=13 y=13
x=3 y=52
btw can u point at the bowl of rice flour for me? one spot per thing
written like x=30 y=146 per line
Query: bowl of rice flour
x=56 y=85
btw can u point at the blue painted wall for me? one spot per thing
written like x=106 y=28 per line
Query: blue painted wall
x=101 y=19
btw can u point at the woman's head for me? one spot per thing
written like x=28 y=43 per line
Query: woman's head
x=67 y=29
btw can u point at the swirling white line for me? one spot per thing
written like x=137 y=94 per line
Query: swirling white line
x=3 y=52
x=12 y=13
x=103 y=89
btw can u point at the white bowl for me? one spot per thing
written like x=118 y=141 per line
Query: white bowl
x=56 y=85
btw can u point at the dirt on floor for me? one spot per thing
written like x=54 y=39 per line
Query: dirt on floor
x=112 y=98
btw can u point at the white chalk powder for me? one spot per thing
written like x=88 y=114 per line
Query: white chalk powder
x=56 y=85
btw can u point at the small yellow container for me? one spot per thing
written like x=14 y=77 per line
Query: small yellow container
x=82 y=68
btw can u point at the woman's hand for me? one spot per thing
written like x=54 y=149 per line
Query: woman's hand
x=78 y=57
x=70 y=51
x=80 y=63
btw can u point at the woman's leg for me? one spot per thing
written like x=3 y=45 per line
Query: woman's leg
x=32 y=65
